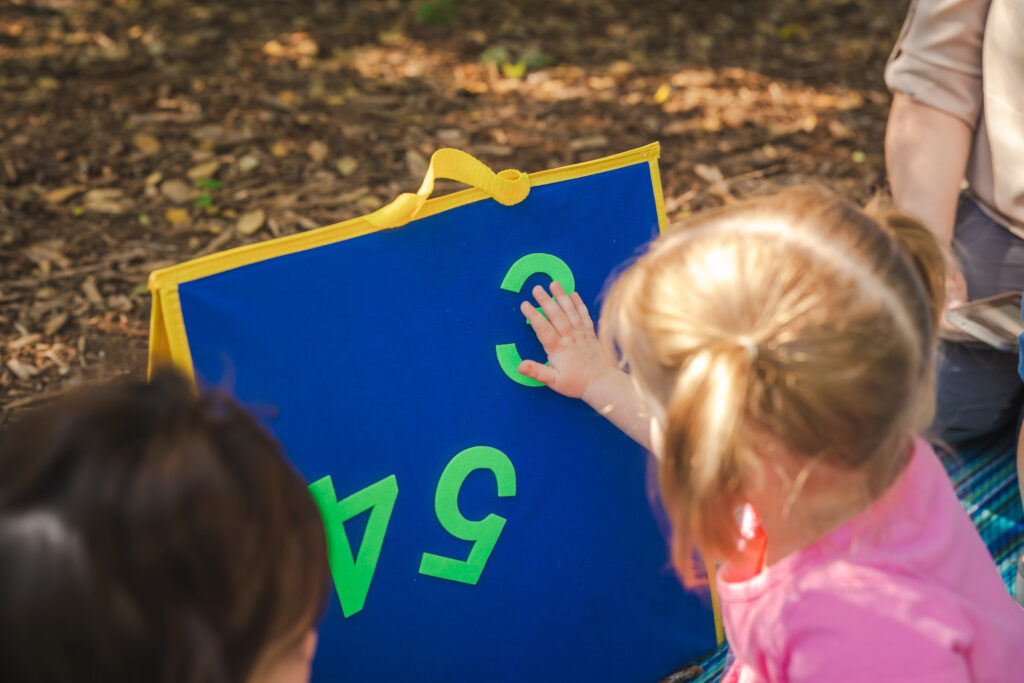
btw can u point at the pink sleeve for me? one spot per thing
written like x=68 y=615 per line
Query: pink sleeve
x=861 y=639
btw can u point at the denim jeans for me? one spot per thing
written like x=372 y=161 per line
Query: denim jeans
x=979 y=390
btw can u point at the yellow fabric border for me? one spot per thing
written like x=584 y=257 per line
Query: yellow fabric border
x=168 y=339
x=355 y=227
x=659 y=197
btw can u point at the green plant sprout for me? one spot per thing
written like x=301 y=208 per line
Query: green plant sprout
x=437 y=11
x=205 y=199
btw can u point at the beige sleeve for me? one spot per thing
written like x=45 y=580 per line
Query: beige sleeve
x=937 y=58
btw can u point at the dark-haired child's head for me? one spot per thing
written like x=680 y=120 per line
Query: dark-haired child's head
x=147 y=534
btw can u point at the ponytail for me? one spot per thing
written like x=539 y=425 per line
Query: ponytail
x=930 y=260
x=704 y=422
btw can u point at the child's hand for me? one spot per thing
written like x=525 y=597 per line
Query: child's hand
x=575 y=356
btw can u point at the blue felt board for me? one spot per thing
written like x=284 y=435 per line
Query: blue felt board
x=375 y=356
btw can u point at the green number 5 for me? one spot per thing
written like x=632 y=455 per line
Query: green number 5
x=484 y=533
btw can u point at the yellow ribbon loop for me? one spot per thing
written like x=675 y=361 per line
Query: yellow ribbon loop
x=507 y=187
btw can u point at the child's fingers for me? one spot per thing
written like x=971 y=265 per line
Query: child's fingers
x=567 y=306
x=537 y=371
x=581 y=310
x=546 y=334
x=553 y=311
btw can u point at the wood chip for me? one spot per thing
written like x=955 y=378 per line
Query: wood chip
x=317 y=151
x=146 y=143
x=62 y=367
x=26 y=340
x=709 y=174
x=416 y=163
x=347 y=165
x=251 y=221
x=62 y=194
x=370 y=203
x=493 y=150
x=54 y=324
x=178 y=191
x=106 y=200
x=248 y=163
x=21 y=370
x=206 y=169
x=91 y=291
x=216 y=243
x=588 y=142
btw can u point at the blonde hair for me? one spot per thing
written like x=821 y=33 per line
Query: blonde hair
x=796 y=314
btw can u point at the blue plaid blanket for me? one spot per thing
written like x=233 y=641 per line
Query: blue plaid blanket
x=984 y=473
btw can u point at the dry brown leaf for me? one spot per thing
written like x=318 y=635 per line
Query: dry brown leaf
x=178 y=191
x=146 y=143
x=251 y=221
x=207 y=169
x=62 y=194
x=662 y=94
x=347 y=165
x=154 y=178
x=177 y=216
x=279 y=150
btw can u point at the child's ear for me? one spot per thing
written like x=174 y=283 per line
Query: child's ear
x=289 y=666
x=309 y=646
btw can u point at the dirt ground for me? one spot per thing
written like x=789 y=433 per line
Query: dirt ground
x=136 y=134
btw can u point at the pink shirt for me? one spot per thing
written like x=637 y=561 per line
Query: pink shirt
x=906 y=591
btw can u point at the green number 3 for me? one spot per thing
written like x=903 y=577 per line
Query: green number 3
x=517 y=275
x=484 y=533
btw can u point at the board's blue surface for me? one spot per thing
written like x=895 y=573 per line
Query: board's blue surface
x=375 y=356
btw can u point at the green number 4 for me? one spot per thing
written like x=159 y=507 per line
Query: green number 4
x=353 y=573
x=484 y=533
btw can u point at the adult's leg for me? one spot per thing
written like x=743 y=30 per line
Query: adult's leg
x=978 y=388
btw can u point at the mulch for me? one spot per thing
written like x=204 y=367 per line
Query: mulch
x=139 y=133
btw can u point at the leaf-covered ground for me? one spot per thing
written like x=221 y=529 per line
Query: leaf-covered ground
x=139 y=133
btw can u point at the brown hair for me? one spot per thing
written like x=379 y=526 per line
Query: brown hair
x=147 y=534
x=798 y=314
